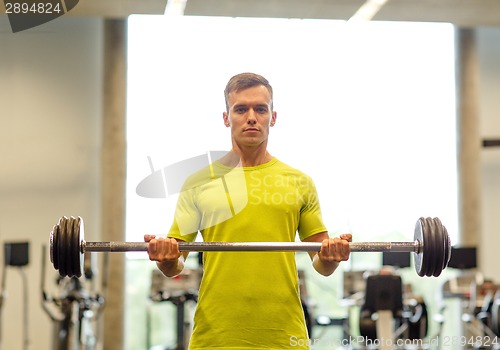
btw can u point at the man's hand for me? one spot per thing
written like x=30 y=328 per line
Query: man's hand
x=162 y=249
x=335 y=249
x=332 y=251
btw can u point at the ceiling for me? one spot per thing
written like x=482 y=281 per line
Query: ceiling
x=466 y=13
x=118 y=8
x=459 y=12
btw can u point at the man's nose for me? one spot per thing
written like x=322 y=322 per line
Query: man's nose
x=251 y=119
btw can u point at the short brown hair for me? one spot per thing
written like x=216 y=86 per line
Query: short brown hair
x=244 y=81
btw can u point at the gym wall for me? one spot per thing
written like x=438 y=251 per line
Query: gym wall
x=488 y=48
x=50 y=140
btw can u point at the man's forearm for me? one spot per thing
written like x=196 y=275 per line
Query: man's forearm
x=325 y=268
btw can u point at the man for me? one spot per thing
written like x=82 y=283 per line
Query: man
x=249 y=300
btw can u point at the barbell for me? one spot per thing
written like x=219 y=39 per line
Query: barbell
x=431 y=246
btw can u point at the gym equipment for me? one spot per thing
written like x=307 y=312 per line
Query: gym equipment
x=431 y=246
x=74 y=310
x=16 y=254
x=384 y=297
x=179 y=290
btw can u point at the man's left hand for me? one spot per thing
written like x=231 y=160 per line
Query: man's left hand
x=336 y=249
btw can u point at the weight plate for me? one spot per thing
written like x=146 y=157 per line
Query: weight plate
x=428 y=251
x=74 y=260
x=417 y=257
x=426 y=248
x=61 y=247
x=439 y=242
x=70 y=267
x=78 y=256
x=67 y=247
x=70 y=264
x=53 y=246
x=447 y=250
x=81 y=238
x=446 y=246
x=429 y=248
x=431 y=253
x=438 y=251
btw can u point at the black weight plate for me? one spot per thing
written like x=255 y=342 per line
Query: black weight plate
x=430 y=239
x=79 y=241
x=417 y=257
x=67 y=248
x=427 y=257
x=72 y=260
x=63 y=263
x=439 y=242
x=75 y=242
x=54 y=236
x=435 y=247
x=68 y=258
x=71 y=250
x=438 y=251
x=57 y=247
x=426 y=248
x=430 y=249
x=445 y=246
x=51 y=245
x=81 y=238
x=68 y=264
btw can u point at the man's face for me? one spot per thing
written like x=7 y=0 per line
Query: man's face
x=250 y=115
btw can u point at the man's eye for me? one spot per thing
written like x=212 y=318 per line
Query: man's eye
x=261 y=110
x=240 y=110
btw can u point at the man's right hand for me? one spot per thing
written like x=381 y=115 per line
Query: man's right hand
x=162 y=249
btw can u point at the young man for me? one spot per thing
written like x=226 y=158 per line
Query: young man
x=249 y=300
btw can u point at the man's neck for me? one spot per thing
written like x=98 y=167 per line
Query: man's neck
x=249 y=159
x=247 y=156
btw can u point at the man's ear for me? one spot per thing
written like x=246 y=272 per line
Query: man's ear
x=273 y=119
x=225 y=116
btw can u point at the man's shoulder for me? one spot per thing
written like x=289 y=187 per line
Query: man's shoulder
x=286 y=168
x=207 y=174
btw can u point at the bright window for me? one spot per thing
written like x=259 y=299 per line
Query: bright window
x=367 y=110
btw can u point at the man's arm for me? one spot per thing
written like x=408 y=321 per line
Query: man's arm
x=171 y=268
x=165 y=251
x=333 y=251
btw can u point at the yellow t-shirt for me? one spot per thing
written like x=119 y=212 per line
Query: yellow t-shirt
x=248 y=300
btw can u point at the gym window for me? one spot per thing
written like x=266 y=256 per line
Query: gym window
x=367 y=110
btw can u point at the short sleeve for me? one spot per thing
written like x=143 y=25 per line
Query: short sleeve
x=310 y=220
x=186 y=218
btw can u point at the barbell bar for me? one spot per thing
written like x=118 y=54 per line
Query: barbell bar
x=431 y=246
